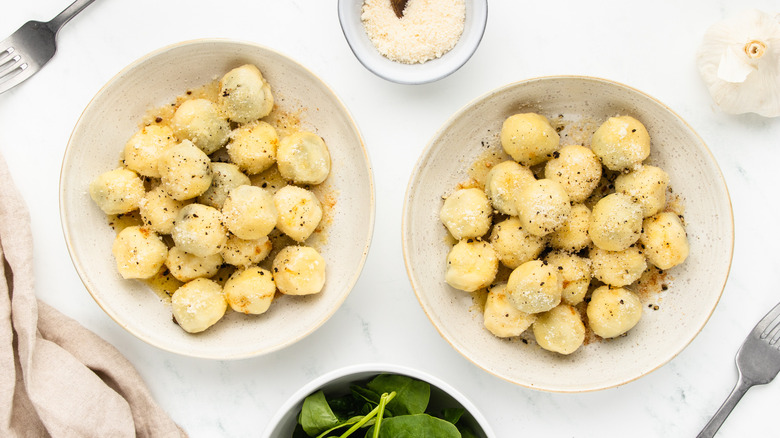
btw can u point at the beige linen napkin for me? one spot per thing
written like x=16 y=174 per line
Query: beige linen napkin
x=56 y=377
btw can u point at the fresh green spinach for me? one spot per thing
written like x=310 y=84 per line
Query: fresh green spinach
x=388 y=405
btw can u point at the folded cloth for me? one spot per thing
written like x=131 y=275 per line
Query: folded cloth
x=56 y=377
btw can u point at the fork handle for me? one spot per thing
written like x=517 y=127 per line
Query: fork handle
x=71 y=11
x=717 y=420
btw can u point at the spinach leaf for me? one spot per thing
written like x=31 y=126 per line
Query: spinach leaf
x=342 y=425
x=316 y=415
x=416 y=426
x=452 y=414
x=412 y=395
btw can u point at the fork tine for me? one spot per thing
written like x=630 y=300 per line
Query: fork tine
x=8 y=64
x=768 y=323
x=7 y=52
x=15 y=77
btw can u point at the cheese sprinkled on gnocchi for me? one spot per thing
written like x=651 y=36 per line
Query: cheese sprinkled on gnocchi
x=217 y=202
x=561 y=236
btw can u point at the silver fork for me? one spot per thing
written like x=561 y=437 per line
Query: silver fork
x=758 y=362
x=27 y=50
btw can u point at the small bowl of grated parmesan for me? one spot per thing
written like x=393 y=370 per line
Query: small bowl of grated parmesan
x=413 y=41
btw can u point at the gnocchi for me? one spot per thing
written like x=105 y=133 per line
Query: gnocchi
x=543 y=206
x=471 y=265
x=249 y=212
x=198 y=304
x=206 y=191
x=139 y=252
x=613 y=311
x=615 y=222
x=535 y=287
x=621 y=143
x=501 y=317
x=560 y=329
x=250 y=290
x=466 y=213
x=503 y=181
x=200 y=121
x=665 y=241
x=529 y=138
x=303 y=157
x=561 y=236
x=299 y=270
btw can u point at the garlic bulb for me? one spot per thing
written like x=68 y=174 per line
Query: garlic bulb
x=739 y=60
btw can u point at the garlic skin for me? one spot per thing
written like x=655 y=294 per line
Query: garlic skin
x=739 y=61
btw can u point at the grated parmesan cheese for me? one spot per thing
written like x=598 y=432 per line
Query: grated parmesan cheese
x=427 y=30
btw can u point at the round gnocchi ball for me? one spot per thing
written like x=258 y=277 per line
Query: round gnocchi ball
x=577 y=169
x=117 y=191
x=139 y=252
x=543 y=206
x=250 y=291
x=185 y=171
x=646 y=186
x=665 y=241
x=200 y=121
x=198 y=304
x=299 y=270
x=501 y=317
x=158 y=210
x=466 y=213
x=613 y=311
x=253 y=147
x=143 y=149
x=560 y=329
x=515 y=246
x=615 y=222
x=198 y=230
x=535 y=287
x=245 y=95
x=299 y=211
x=303 y=158
x=226 y=176
x=529 y=138
x=242 y=253
x=503 y=180
x=573 y=235
x=576 y=273
x=621 y=143
x=618 y=268
x=249 y=212
x=187 y=267
x=471 y=265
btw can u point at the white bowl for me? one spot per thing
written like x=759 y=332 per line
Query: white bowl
x=337 y=382
x=115 y=114
x=433 y=70
x=694 y=287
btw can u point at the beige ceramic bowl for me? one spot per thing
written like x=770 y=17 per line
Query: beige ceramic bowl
x=694 y=287
x=115 y=114
x=337 y=383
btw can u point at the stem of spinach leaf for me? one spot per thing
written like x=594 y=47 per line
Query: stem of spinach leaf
x=379 y=410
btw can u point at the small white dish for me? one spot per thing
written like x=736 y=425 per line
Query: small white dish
x=694 y=288
x=337 y=382
x=433 y=70
x=116 y=112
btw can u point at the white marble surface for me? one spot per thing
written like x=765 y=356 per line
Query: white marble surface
x=648 y=45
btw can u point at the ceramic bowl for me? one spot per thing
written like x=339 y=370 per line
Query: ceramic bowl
x=433 y=70
x=116 y=112
x=581 y=104
x=337 y=382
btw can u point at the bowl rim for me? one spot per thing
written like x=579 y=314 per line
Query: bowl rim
x=410 y=76
x=79 y=266
x=467 y=107
x=378 y=368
